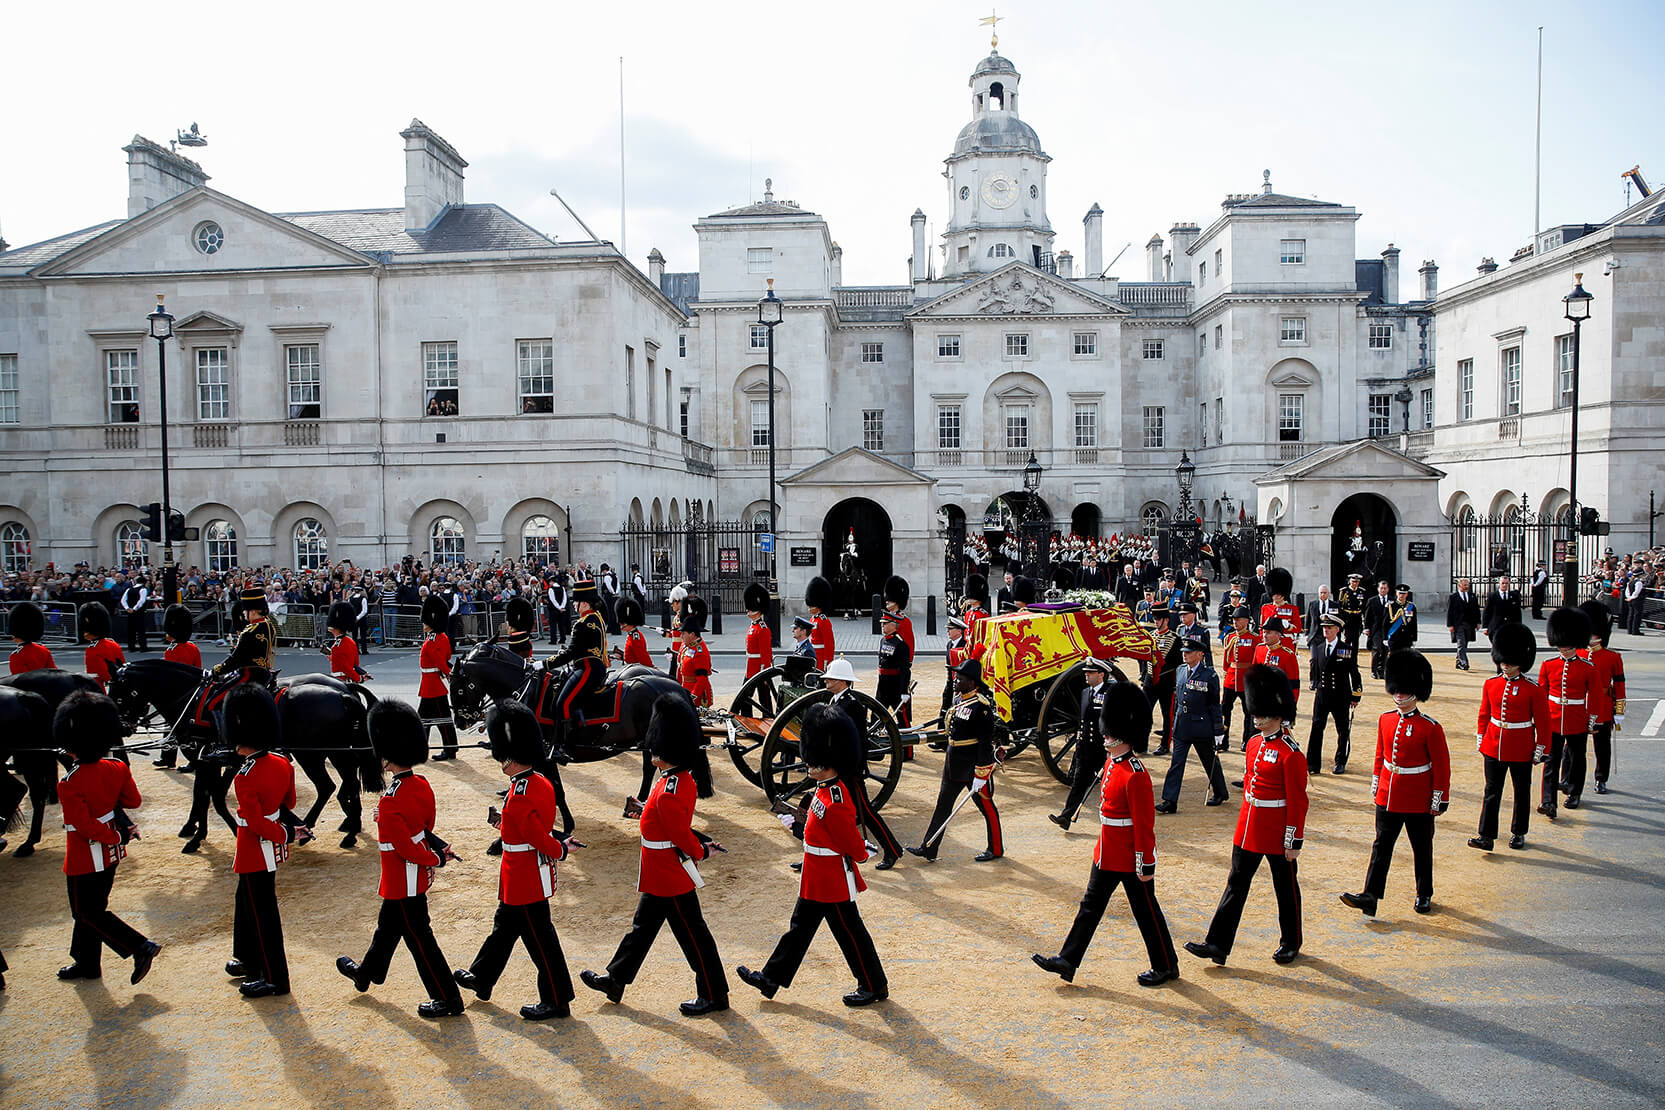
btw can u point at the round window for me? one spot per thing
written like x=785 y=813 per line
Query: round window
x=209 y=238
x=965 y=192
x=1034 y=191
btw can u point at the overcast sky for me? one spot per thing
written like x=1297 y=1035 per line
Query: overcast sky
x=1419 y=114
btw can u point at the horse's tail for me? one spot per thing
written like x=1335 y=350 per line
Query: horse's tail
x=12 y=792
x=369 y=764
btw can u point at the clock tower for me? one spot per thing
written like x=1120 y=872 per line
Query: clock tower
x=996 y=181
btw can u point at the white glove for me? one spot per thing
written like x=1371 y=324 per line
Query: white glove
x=1618 y=722
x=978 y=784
x=786 y=821
x=1219 y=740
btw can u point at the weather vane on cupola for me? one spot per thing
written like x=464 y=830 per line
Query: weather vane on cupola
x=991 y=21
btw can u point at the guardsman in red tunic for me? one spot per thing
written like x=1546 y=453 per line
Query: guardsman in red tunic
x=1125 y=855
x=95 y=795
x=343 y=652
x=818 y=596
x=1277 y=650
x=693 y=665
x=176 y=630
x=1271 y=824
x=265 y=786
x=760 y=642
x=1238 y=655
x=896 y=602
x=830 y=881
x=433 y=698
x=1411 y=781
x=526 y=876
x=976 y=605
x=27 y=626
x=1567 y=680
x=1607 y=696
x=410 y=852
x=1512 y=733
x=671 y=851
x=630 y=617
x=1279 y=585
x=103 y=654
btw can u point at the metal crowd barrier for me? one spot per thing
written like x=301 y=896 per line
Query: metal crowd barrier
x=61 y=622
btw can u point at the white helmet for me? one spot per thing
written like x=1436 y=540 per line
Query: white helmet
x=840 y=669
x=677 y=594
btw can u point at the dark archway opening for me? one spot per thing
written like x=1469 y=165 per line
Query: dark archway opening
x=856 y=577
x=1363 y=539
x=1085 y=521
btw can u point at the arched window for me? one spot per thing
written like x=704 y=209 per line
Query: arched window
x=1470 y=535
x=1001 y=250
x=540 y=540
x=14 y=547
x=760 y=521
x=312 y=545
x=219 y=542
x=446 y=541
x=1153 y=517
x=130 y=543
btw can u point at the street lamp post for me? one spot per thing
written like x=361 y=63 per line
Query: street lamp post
x=1185 y=473
x=1036 y=546
x=1577 y=310
x=769 y=312
x=161 y=330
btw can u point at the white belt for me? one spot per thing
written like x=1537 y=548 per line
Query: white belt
x=272 y=816
x=106 y=819
x=1398 y=770
x=1118 y=822
x=1511 y=724
x=431 y=670
x=507 y=847
x=817 y=850
x=386 y=847
x=1267 y=803
x=754 y=655
x=1566 y=701
x=646 y=843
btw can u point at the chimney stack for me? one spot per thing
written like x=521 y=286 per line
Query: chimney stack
x=1093 y=225
x=433 y=175
x=1487 y=266
x=156 y=174
x=1430 y=279
x=1153 y=259
x=1390 y=274
x=1182 y=236
x=1066 y=265
x=921 y=260
x=837 y=266
x=656 y=268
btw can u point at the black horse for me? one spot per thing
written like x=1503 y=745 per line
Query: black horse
x=33 y=754
x=323 y=724
x=616 y=718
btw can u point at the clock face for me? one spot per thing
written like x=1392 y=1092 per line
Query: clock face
x=998 y=192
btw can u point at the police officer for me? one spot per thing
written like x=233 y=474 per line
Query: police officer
x=1089 y=740
x=969 y=764
x=135 y=603
x=1196 y=724
x=1337 y=687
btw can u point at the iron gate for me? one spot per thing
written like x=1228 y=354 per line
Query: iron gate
x=721 y=558
x=1484 y=549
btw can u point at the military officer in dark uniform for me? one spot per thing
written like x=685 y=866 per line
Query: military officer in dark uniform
x=1196 y=725
x=1089 y=741
x=586 y=652
x=1336 y=685
x=1351 y=599
x=970 y=763
x=253 y=655
x=895 y=670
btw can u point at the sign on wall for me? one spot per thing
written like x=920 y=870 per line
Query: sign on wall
x=1420 y=551
x=728 y=560
x=803 y=556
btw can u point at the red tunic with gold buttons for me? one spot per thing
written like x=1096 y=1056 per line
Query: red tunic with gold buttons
x=31 y=657
x=103 y=658
x=344 y=661
x=1285 y=612
x=693 y=671
x=435 y=662
x=1239 y=657
x=760 y=648
x=636 y=649
x=833 y=845
x=821 y=638
x=1286 y=659
x=184 y=652
x=1514 y=719
x=1126 y=818
x=973 y=617
x=669 y=846
x=1413 y=763
x=404 y=817
x=530 y=850
x=1274 y=815
x=1607 y=685
x=90 y=794
x=1566 y=684
x=904 y=629
x=265 y=786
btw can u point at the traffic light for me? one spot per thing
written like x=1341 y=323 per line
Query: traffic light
x=151 y=528
x=176 y=527
x=1588 y=519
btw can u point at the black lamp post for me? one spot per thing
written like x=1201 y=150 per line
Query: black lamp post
x=161 y=330
x=1403 y=396
x=769 y=312
x=1035 y=547
x=1186 y=525
x=1577 y=310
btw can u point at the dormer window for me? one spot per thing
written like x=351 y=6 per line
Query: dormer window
x=1001 y=250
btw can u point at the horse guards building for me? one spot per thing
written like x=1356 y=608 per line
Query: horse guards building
x=442 y=379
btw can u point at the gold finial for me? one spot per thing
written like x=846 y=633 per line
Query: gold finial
x=771 y=284
x=991 y=21
x=159 y=300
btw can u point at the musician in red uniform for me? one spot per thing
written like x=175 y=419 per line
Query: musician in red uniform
x=1125 y=855
x=1279 y=585
x=830 y=881
x=1607 y=697
x=95 y=795
x=818 y=596
x=433 y=697
x=176 y=630
x=1566 y=680
x=628 y=611
x=1512 y=733
x=760 y=642
x=409 y=854
x=670 y=877
x=1238 y=655
x=103 y=654
x=1277 y=650
x=693 y=664
x=343 y=652
x=896 y=603
x=526 y=876
x=27 y=626
x=1411 y=781
x=265 y=786
x=1271 y=824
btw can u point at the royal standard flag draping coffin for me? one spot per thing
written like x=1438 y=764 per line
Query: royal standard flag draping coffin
x=1038 y=644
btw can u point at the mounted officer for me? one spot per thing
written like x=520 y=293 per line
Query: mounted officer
x=586 y=653
x=253 y=656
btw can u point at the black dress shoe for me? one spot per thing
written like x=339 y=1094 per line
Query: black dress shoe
x=1517 y=842
x=1364 y=903
x=1484 y=843
x=1059 y=819
x=796 y=865
x=1574 y=801
x=1339 y=769
x=80 y=971
x=1423 y=904
x=1207 y=951
x=1547 y=811
x=1155 y=978
x=260 y=988
x=236 y=969
x=765 y=985
x=987 y=857
x=694 y=1007
x=606 y=984
x=495 y=848
x=922 y=853
x=865 y=997
x=438 y=1008
x=1166 y=806
x=1313 y=768
x=1055 y=964
x=441 y=757
x=1164 y=750
x=1237 y=783
x=1564 y=786
x=1218 y=801
x=142 y=959
x=885 y=864
x=543 y=1011
x=348 y=966
x=467 y=980
x=1285 y=954
x=1601 y=788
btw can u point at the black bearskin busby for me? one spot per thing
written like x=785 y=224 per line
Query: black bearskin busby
x=629 y=611
x=435 y=612
x=87 y=725
x=1601 y=623
x=896 y=591
x=757 y=598
x=1023 y=590
x=397 y=734
x=1408 y=672
x=1267 y=692
x=673 y=735
x=1568 y=627
x=518 y=613
x=977 y=589
x=1514 y=643
x=1126 y=715
x=250 y=719
x=94 y=620
x=342 y=618
x=514 y=734
x=176 y=623
x=1280 y=583
x=819 y=594
x=28 y=623
x=827 y=738
x=694 y=614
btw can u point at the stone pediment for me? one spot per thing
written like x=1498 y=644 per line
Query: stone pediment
x=206 y=321
x=1017 y=290
x=855 y=467
x=164 y=240
x=1362 y=461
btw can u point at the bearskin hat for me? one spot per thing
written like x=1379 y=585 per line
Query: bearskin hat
x=1514 y=643
x=629 y=611
x=1126 y=715
x=94 y=620
x=1268 y=694
x=1568 y=627
x=896 y=591
x=250 y=719
x=518 y=612
x=397 y=734
x=28 y=623
x=1601 y=624
x=757 y=598
x=1408 y=672
x=977 y=589
x=694 y=614
x=819 y=594
x=87 y=725
x=673 y=735
x=514 y=733
x=1279 y=582
x=343 y=619
x=1023 y=590
x=435 y=612
x=176 y=623
x=827 y=738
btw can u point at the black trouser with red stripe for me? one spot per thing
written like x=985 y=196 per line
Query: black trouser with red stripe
x=406 y=919
x=587 y=674
x=1419 y=830
x=847 y=928
x=257 y=931
x=869 y=818
x=95 y=925
x=1141 y=896
x=1223 y=931
x=688 y=926
x=530 y=925
x=948 y=796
